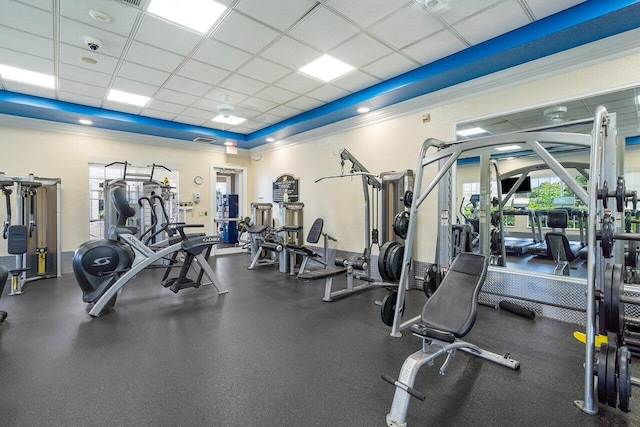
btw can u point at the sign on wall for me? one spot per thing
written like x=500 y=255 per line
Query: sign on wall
x=290 y=184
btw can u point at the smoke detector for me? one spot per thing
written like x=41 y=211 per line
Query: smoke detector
x=555 y=113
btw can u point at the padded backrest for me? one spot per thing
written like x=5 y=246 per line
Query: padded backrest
x=558 y=247
x=4 y=274
x=453 y=306
x=122 y=205
x=557 y=218
x=316 y=231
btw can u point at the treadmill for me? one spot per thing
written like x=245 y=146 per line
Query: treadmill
x=520 y=245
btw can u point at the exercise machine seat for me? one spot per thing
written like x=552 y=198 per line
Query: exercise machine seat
x=559 y=248
x=316 y=231
x=451 y=311
x=122 y=206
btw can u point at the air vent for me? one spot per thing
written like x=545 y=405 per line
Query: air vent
x=135 y=3
x=204 y=140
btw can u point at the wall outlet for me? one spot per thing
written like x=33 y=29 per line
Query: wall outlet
x=200 y=213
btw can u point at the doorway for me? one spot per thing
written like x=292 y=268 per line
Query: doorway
x=228 y=205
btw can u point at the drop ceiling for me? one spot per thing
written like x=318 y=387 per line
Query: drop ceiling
x=249 y=59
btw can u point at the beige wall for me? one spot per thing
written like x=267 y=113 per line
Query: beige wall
x=395 y=145
x=67 y=156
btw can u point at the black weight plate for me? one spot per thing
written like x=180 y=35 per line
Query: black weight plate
x=631 y=260
x=624 y=378
x=382 y=259
x=612 y=386
x=395 y=263
x=608 y=306
x=620 y=192
x=407 y=199
x=617 y=314
x=430 y=280
x=388 y=308
x=602 y=373
x=389 y=263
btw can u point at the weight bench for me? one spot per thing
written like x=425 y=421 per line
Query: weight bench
x=446 y=317
x=308 y=254
x=264 y=238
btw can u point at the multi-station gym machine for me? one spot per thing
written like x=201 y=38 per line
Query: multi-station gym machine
x=33 y=231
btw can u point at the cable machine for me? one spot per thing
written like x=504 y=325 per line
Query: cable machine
x=33 y=232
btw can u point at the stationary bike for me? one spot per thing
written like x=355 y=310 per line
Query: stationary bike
x=103 y=267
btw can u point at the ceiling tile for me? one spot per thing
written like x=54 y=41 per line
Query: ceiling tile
x=218 y=54
x=71 y=55
x=79 y=99
x=123 y=17
x=153 y=57
x=280 y=14
x=242 y=84
x=166 y=107
x=544 y=8
x=299 y=83
x=360 y=50
x=234 y=98
x=257 y=104
x=73 y=33
x=206 y=104
x=202 y=72
x=242 y=129
x=26 y=18
x=263 y=70
x=267 y=119
x=81 y=88
x=244 y=33
x=30 y=90
x=285 y=111
x=116 y=106
x=435 y=47
x=28 y=62
x=162 y=115
x=390 y=66
x=42 y=4
x=189 y=86
x=198 y=113
x=365 y=16
x=328 y=93
x=174 y=97
x=455 y=11
x=28 y=43
x=305 y=103
x=504 y=17
x=134 y=87
x=313 y=29
x=275 y=94
x=159 y=33
x=409 y=24
x=83 y=75
x=195 y=121
x=290 y=53
x=355 y=81
x=133 y=71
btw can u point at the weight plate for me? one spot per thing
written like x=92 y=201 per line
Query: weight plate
x=407 y=199
x=617 y=314
x=602 y=373
x=620 y=192
x=606 y=235
x=395 y=263
x=624 y=378
x=430 y=283
x=604 y=194
x=401 y=224
x=382 y=259
x=388 y=308
x=612 y=386
x=631 y=259
x=608 y=306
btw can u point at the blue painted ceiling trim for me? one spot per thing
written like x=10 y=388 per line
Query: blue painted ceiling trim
x=579 y=25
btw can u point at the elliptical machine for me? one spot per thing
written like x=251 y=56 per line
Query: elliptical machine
x=103 y=267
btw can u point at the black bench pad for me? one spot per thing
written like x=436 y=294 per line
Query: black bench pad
x=425 y=331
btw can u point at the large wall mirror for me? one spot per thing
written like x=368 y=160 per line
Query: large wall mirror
x=531 y=212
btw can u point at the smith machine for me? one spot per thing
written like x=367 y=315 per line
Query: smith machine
x=605 y=286
x=34 y=235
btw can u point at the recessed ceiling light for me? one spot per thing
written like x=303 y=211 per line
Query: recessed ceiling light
x=508 y=148
x=88 y=60
x=270 y=139
x=326 y=68
x=471 y=131
x=198 y=15
x=638 y=99
x=28 y=77
x=230 y=120
x=228 y=143
x=363 y=110
x=99 y=16
x=85 y=122
x=127 y=98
